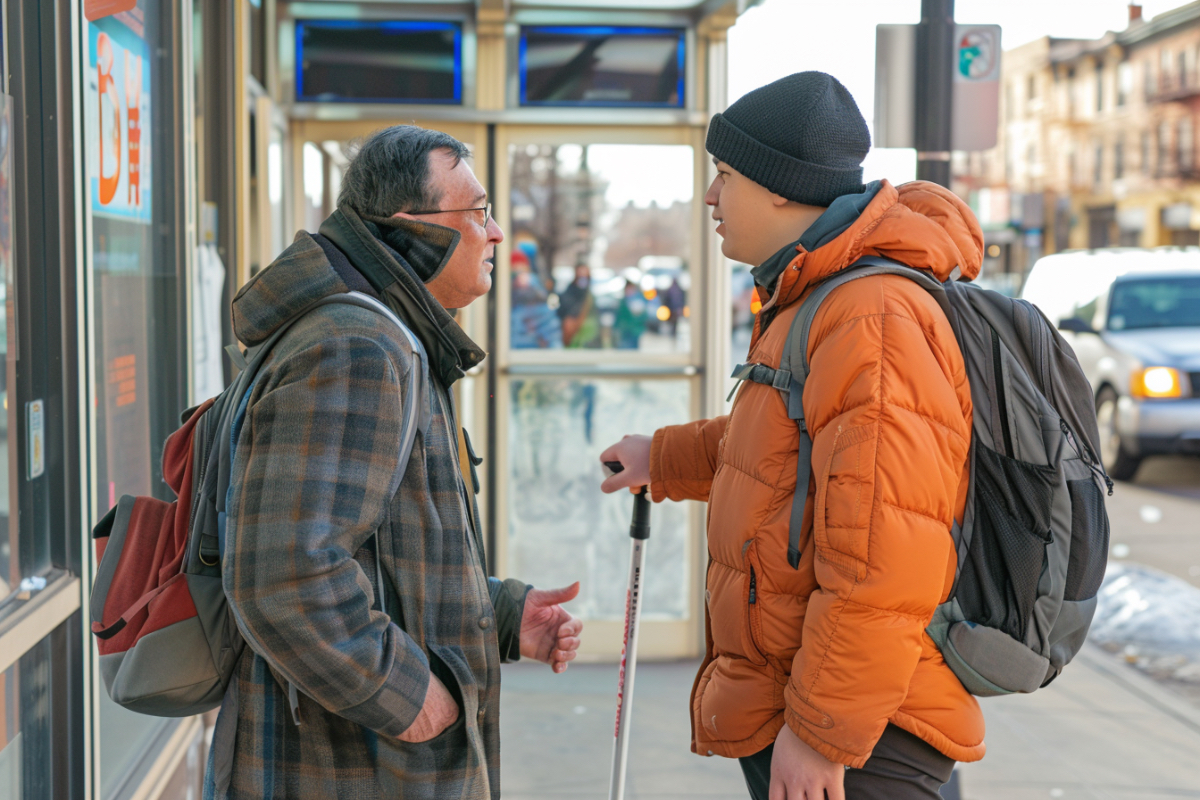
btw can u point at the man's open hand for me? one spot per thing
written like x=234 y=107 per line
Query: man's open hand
x=800 y=773
x=438 y=713
x=549 y=633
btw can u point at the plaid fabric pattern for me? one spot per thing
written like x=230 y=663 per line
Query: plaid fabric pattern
x=315 y=476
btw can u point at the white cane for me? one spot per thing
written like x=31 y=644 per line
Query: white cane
x=639 y=532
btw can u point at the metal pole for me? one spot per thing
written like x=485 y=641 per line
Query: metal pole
x=935 y=87
x=639 y=531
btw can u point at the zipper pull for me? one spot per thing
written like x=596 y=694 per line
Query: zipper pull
x=1092 y=463
x=753 y=587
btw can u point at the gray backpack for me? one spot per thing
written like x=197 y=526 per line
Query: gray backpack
x=1033 y=543
x=168 y=643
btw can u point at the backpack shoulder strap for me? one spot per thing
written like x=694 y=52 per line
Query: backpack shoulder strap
x=792 y=373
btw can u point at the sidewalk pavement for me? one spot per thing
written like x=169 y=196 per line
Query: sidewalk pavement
x=1102 y=730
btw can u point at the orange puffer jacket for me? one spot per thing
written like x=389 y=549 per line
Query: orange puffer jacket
x=837 y=648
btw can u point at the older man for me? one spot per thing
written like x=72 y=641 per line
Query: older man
x=375 y=636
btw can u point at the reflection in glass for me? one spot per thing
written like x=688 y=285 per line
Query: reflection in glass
x=602 y=66
x=10 y=570
x=601 y=246
x=561 y=527
x=129 y=131
x=383 y=61
x=745 y=305
x=25 y=746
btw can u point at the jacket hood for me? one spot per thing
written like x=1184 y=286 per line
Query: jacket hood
x=919 y=224
x=299 y=277
x=375 y=257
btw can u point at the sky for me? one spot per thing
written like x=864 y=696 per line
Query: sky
x=780 y=37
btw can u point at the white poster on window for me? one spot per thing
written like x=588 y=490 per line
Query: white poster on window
x=208 y=280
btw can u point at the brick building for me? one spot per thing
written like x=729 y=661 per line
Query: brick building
x=1097 y=145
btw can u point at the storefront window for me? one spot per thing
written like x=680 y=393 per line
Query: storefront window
x=130 y=104
x=600 y=255
x=25 y=743
x=10 y=560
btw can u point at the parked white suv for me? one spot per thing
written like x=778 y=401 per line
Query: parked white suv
x=1133 y=319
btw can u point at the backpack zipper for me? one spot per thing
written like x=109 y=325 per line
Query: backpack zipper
x=1001 y=400
x=753 y=587
x=1096 y=469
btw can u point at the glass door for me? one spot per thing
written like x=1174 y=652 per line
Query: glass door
x=596 y=284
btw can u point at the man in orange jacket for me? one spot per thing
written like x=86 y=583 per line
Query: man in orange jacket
x=821 y=679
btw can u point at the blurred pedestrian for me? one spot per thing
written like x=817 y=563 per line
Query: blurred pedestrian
x=577 y=310
x=819 y=676
x=631 y=316
x=374 y=635
x=675 y=299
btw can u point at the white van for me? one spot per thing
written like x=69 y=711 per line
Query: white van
x=1133 y=318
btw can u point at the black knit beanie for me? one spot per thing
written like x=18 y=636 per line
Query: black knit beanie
x=802 y=137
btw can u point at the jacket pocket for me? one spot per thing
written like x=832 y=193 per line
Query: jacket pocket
x=752 y=630
x=845 y=492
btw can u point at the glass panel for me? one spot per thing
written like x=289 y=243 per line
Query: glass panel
x=601 y=250
x=387 y=61
x=25 y=743
x=10 y=568
x=314 y=187
x=1155 y=303
x=276 y=190
x=561 y=528
x=745 y=305
x=602 y=66
x=130 y=153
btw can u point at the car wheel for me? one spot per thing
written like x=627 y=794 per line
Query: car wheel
x=1118 y=463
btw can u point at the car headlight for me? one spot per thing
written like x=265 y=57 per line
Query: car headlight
x=1156 y=382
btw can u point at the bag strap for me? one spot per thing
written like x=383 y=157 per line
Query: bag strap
x=792 y=374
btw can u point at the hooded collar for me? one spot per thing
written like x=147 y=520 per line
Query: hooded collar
x=836 y=219
x=920 y=224
x=391 y=253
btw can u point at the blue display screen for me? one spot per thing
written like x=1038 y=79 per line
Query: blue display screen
x=601 y=66
x=372 y=61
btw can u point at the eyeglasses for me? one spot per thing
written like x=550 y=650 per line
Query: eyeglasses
x=486 y=218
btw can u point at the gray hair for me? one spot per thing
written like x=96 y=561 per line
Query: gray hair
x=389 y=171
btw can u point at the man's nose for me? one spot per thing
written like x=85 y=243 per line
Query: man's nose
x=495 y=232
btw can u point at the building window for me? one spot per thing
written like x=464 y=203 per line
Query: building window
x=1073 y=167
x=1164 y=138
x=1118 y=161
x=1166 y=61
x=1070 y=91
x=1124 y=83
x=1098 y=176
x=1145 y=154
x=1031 y=159
x=1183 y=61
x=1099 y=87
x=1148 y=79
x=1186 y=143
x=1031 y=88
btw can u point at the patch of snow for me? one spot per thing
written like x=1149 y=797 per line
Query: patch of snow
x=1151 y=618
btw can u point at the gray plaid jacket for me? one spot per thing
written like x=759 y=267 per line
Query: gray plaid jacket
x=314 y=478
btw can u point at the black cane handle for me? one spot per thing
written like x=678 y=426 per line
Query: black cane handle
x=640 y=529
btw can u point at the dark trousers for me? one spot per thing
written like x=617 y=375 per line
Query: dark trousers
x=902 y=767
